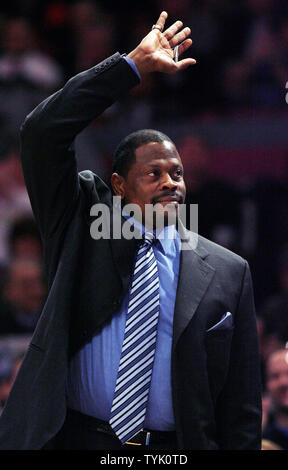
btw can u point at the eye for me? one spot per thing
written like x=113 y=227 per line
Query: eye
x=179 y=172
x=153 y=172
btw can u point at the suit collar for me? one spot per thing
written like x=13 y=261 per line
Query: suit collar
x=165 y=236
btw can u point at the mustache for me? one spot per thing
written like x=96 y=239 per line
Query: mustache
x=163 y=195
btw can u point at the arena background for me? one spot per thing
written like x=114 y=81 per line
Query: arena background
x=227 y=116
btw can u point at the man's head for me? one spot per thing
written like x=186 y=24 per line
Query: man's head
x=147 y=169
x=277 y=379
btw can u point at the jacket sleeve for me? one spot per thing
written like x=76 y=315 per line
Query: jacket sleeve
x=239 y=406
x=48 y=133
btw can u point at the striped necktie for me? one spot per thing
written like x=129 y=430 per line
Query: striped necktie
x=138 y=349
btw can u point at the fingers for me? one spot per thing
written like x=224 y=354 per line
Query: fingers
x=184 y=64
x=180 y=37
x=161 y=20
x=184 y=46
x=172 y=30
x=171 y=34
x=167 y=41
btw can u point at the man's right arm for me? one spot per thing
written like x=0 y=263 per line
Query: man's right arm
x=49 y=163
x=47 y=136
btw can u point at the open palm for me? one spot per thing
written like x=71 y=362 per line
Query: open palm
x=157 y=48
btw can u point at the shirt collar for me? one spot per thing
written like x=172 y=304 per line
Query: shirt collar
x=166 y=236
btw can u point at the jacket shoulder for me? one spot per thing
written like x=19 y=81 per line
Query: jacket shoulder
x=219 y=255
x=94 y=189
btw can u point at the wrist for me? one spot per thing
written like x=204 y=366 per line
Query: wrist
x=141 y=60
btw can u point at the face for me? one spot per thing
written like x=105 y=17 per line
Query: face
x=156 y=177
x=26 y=290
x=277 y=378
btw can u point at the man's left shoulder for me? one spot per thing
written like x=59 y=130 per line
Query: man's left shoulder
x=219 y=256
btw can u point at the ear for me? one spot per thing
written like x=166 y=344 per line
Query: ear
x=118 y=184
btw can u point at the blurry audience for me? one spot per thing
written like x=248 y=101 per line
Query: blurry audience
x=27 y=74
x=242 y=69
x=270 y=200
x=256 y=76
x=14 y=201
x=275 y=426
x=219 y=202
x=22 y=297
x=9 y=366
x=273 y=316
x=93 y=32
x=24 y=239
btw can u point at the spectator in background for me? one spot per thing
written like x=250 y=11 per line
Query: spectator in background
x=23 y=296
x=6 y=365
x=274 y=321
x=273 y=316
x=26 y=73
x=257 y=76
x=276 y=428
x=14 y=201
x=82 y=34
x=93 y=33
x=24 y=239
x=58 y=35
x=9 y=367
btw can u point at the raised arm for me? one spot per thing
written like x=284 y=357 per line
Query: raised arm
x=47 y=135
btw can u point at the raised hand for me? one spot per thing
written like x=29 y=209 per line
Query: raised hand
x=156 y=51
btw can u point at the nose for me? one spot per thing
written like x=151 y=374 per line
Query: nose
x=168 y=183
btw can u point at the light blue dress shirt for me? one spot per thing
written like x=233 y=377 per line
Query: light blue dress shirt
x=93 y=370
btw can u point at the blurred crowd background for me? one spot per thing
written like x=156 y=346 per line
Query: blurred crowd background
x=227 y=116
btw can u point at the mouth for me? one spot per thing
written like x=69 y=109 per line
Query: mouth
x=168 y=199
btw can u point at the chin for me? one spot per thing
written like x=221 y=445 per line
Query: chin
x=167 y=215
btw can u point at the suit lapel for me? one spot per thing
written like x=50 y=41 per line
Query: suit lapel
x=123 y=251
x=195 y=276
x=124 y=256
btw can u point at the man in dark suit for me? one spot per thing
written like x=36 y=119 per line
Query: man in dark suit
x=205 y=388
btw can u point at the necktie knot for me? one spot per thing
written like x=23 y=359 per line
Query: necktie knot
x=148 y=239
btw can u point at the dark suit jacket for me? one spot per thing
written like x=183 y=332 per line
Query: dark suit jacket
x=215 y=374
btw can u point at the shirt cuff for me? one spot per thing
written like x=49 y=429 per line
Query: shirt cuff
x=132 y=64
